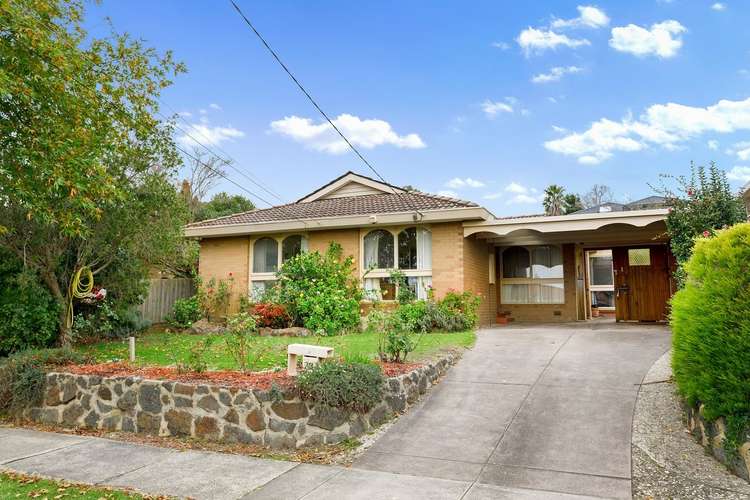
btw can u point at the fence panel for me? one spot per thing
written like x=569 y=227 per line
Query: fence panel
x=162 y=294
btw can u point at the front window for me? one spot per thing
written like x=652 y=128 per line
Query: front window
x=409 y=250
x=265 y=256
x=532 y=275
x=601 y=279
x=379 y=250
x=291 y=247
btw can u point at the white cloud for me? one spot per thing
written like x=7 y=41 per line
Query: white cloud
x=713 y=144
x=719 y=6
x=667 y=125
x=662 y=39
x=552 y=100
x=522 y=199
x=185 y=114
x=741 y=149
x=739 y=173
x=555 y=74
x=458 y=183
x=559 y=130
x=536 y=41
x=448 y=193
x=215 y=106
x=501 y=45
x=492 y=108
x=588 y=17
x=365 y=133
x=208 y=135
x=517 y=188
x=493 y=196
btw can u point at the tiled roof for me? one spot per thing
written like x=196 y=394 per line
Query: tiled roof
x=341 y=207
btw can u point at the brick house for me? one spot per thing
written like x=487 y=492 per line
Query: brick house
x=536 y=268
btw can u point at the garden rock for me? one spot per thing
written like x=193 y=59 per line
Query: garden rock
x=290 y=411
x=149 y=398
x=209 y=404
x=205 y=327
x=179 y=423
x=255 y=420
x=328 y=418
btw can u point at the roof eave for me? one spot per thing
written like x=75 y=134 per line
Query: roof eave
x=459 y=214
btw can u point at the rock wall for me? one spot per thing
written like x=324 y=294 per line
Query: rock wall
x=265 y=417
x=712 y=434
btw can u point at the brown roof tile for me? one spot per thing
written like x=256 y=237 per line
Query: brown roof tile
x=341 y=207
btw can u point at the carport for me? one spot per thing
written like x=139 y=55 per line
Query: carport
x=580 y=266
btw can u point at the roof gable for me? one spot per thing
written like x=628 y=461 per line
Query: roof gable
x=350 y=185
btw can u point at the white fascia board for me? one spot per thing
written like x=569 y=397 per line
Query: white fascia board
x=562 y=223
x=446 y=215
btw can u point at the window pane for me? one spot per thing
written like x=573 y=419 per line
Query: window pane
x=424 y=248
x=379 y=249
x=639 y=256
x=265 y=256
x=290 y=247
x=546 y=262
x=516 y=263
x=600 y=270
x=407 y=248
x=387 y=289
x=259 y=288
x=603 y=298
x=532 y=293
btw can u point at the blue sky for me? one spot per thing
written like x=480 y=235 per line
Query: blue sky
x=487 y=100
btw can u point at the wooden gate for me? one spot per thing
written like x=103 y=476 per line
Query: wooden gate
x=643 y=284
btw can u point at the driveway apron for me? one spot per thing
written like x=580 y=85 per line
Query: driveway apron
x=539 y=410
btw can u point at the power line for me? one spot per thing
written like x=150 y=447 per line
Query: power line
x=314 y=103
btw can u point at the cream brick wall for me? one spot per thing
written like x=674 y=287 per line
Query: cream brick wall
x=447 y=257
x=477 y=277
x=347 y=238
x=221 y=256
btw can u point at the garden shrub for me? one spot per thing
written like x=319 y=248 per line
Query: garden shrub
x=29 y=315
x=270 y=315
x=710 y=320
x=185 y=312
x=463 y=306
x=455 y=312
x=22 y=375
x=104 y=320
x=214 y=297
x=197 y=357
x=239 y=340
x=320 y=292
x=351 y=386
x=396 y=339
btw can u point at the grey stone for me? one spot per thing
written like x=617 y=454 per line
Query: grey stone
x=72 y=413
x=279 y=440
x=91 y=420
x=396 y=402
x=281 y=425
x=379 y=415
x=336 y=437
x=394 y=384
x=168 y=386
x=209 y=404
x=148 y=424
x=181 y=402
x=127 y=401
x=235 y=434
x=179 y=423
x=118 y=388
x=245 y=400
x=255 y=420
x=68 y=390
x=290 y=410
x=111 y=423
x=422 y=385
x=225 y=398
x=184 y=389
x=86 y=401
x=202 y=389
x=104 y=407
x=94 y=380
x=52 y=395
x=207 y=428
x=82 y=381
x=128 y=424
x=357 y=426
x=104 y=393
x=149 y=397
x=327 y=417
x=232 y=417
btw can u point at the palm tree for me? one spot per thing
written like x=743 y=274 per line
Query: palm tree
x=554 y=199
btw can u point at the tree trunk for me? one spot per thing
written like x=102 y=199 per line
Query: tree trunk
x=63 y=301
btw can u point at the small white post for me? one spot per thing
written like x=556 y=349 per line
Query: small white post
x=131 y=349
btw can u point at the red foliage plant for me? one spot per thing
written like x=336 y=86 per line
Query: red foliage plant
x=270 y=315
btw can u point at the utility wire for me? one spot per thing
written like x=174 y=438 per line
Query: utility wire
x=314 y=103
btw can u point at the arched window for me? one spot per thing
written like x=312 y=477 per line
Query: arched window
x=291 y=247
x=516 y=263
x=266 y=256
x=547 y=262
x=407 y=248
x=379 y=252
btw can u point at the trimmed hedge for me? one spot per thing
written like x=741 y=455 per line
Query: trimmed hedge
x=711 y=328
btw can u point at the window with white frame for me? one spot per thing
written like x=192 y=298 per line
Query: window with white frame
x=268 y=254
x=601 y=279
x=532 y=275
x=408 y=250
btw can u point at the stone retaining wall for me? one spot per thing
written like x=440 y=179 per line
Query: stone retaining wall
x=712 y=434
x=270 y=417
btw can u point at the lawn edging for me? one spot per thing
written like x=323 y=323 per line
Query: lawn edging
x=277 y=418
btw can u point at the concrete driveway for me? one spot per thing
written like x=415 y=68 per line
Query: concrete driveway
x=545 y=411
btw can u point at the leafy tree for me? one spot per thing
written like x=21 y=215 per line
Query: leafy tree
x=85 y=167
x=572 y=203
x=222 y=204
x=704 y=202
x=598 y=194
x=554 y=199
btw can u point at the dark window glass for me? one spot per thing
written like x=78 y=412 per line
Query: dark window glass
x=407 y=248
x=516 y=263
x=379 y=250
x=265 y=256
x=290 y=247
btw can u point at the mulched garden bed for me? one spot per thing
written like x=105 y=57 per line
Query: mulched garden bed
x=229 y=378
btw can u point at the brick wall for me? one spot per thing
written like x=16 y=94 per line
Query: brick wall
x=347 y=238
x=476 y=276
x=549 y=312
x=447 y=257
x=221 y=256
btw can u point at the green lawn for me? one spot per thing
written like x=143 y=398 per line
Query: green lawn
x=158 y=347
x=14 y=485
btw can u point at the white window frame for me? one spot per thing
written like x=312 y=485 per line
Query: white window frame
x=599 y=288
x=269 y=277
x=532 y=280
x=424 y=274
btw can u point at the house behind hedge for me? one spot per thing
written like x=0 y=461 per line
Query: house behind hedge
x=540 y=268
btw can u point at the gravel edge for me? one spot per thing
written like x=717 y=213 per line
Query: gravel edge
x=667 y=461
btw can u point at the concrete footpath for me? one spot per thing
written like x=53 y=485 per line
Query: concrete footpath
x=532 y=412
